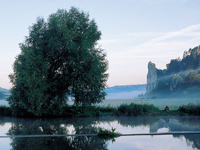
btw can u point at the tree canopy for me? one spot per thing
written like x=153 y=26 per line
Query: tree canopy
x=60 y=57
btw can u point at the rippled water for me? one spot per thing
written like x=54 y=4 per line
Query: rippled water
x=77 y=126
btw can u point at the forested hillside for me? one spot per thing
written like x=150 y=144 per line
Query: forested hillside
x=180 y=78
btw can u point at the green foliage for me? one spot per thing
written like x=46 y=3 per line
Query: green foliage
x=108 y=134
x=174 y=66
x=107 y=109
x=124 y=109
x=5 y=111
x=88 y=111
x=192 y=109
x=55 y=127
x=180 y=75
x=68 y=111
x=60 y=57
x=136 y=109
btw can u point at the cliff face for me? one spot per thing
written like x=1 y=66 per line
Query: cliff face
x=152 y=82
x=174 y=82
x=157 y=77
x=180 y=78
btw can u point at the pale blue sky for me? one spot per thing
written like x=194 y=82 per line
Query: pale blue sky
x=134 y=32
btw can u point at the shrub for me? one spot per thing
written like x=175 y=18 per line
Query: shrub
x=88 y=111
x=107 y=109
x=5 y=111
x=108 y=133
x=136 y=109
x=193 y=109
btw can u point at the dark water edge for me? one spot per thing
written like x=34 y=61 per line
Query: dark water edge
x=91 y=125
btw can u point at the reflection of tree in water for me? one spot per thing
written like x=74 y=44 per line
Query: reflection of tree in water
x=86 y=142
x=89 y=126
x=58 y=143
x=137 y=121
x=191 y=139
x=192 y=121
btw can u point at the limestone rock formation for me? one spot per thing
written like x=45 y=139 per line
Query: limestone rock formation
x=174 y=81
x=181 y=77
x=152 y=82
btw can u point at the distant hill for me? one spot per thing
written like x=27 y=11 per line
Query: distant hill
x=125 y=91
x=4 y=93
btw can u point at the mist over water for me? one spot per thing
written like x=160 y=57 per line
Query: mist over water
x=125 y=91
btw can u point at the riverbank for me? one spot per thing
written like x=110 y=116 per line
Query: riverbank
x=131 y=109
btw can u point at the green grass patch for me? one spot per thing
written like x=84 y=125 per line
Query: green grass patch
x=123 y=110
x=137 y=109
x=89 y=111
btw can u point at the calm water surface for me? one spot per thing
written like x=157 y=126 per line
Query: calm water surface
x=124 y=125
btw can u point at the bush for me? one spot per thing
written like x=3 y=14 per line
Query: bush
x=91 y=111
x=107 y=109
x=88 y=111
x=136 y=109
x=5 y=111
x=103 y=133
x=193 y=109
x=78 y=111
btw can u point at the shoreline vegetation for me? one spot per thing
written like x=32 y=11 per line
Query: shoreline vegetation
x=131 y=109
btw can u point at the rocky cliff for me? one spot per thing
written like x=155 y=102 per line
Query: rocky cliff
x=181 y=78
x=159 y=78
x=174 y=82
x=152 y=81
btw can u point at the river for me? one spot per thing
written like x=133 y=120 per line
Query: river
x=17 y=127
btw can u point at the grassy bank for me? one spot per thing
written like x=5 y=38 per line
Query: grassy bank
x=108 y=134
x=123 y=110
x=5 y=111
x=136 y=109
x=190 y=109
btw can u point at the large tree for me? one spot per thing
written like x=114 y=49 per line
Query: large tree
x=60 y=57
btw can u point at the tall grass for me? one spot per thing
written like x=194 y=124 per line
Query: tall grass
x=109 y=134
x=124 y=109
x=136 y=109
x=192 y=109
x=89 y=111
x=5 y=111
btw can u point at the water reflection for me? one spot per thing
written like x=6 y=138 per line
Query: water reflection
x=180 y=124
x=91 y=126
x=42 y=127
